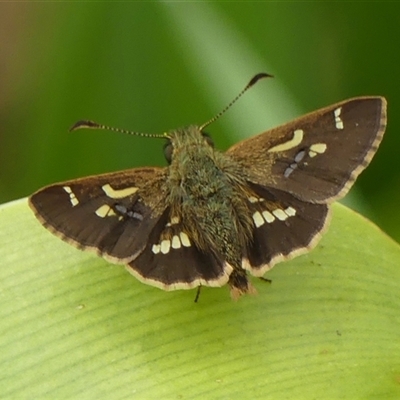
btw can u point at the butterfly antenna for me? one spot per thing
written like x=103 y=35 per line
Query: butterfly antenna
x=86 y=124
x=252 y=82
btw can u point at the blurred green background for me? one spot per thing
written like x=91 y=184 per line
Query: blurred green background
x=157 y=65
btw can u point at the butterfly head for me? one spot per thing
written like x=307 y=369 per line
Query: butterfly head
x=186 y=141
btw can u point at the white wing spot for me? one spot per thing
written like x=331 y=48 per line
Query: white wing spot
x=105 y=211
x=312 y=153
x=253 y=199
x=317 y=148
x=176 y=242
x=290 y=212
x=165 y=246
x=258 y=219
x=268 y=216
x=174 y=221
x=72 y=198
x=156 y=248
x=280 y=214
x=338 y=120
x=184 y=239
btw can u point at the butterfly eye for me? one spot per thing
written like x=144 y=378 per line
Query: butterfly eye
x=208 y=139
x=168 y=149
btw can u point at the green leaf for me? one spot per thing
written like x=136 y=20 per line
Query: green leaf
x=74 y=326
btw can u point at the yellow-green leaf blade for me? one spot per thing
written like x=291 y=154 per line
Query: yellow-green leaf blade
x=74 y=326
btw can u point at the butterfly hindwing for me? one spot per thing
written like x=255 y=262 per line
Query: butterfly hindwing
x=111 y=214
x=172 y=260
x=284 y=227
x=318 y=156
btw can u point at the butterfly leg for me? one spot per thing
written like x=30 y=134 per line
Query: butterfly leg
x=197 y=294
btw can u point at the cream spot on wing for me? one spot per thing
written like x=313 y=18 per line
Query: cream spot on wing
x=174 y=221
x=319 y=148
x=295 y=141
x=72 y=198
x=280 y=214
x=156 y=248
x=184 y=239
x=165 y=246
x=290 y=212
x=258 y=219
x=312 y=154
x=105 y=211
x=176 y=242
x=118 y=193
x=338 y=120
x=268 y=216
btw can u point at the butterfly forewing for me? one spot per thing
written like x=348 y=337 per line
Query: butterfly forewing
x=111 y=214
x=318 y=156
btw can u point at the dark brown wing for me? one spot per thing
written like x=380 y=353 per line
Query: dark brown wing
x=171 y=260
x=125 y=218
x=111 y=214
x=284 y=227
x=316 y=157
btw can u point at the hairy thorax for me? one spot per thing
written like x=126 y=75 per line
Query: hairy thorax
x=209 y=200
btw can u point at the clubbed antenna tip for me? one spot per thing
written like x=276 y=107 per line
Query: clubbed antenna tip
x=84 y=124
x=252 y=82
x=257 y=77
